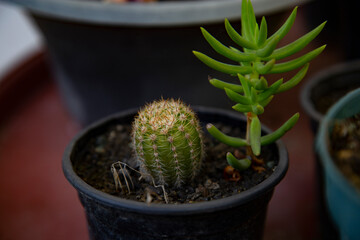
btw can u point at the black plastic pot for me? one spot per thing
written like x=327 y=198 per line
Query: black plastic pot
x=110 y=57
x=336 y=80
x=241 y=216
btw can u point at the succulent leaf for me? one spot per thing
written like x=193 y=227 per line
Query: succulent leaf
x=285 y=28
x=237 y=97
x=270 y=91
x=265 y=102
x=257 y=109
x=237 y=38
x=297 y=45
x=251 y=20
x=239 y=164
x=253 y=95
x=222 y=67
x=255 y=132
x=245 y=84
x=228 y=140
x=225 y=51
x=296 y=63
x=268 y=49
x=256 y=32
x=274 y=136
x=245 y=25
x=294 y=80
x=264 y=68
x=262 y=33
x=222 y=85
x=242 y=108
x=259 y=83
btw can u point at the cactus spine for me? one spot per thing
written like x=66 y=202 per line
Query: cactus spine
x=167 y=141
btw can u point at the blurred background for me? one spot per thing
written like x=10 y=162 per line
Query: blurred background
x=36 y=202
x=19 y=37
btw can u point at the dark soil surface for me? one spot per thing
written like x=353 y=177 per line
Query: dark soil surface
x=93 y=164
x=345 y=145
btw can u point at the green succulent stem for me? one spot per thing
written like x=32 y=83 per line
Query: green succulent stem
x=256 y=55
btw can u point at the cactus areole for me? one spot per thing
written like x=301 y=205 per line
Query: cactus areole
x=167 y=141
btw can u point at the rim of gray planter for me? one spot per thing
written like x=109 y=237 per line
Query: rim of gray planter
x=150 y=14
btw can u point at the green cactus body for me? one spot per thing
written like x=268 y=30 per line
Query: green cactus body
x=167 y=141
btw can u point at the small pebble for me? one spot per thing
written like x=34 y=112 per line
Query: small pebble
x=270 y=164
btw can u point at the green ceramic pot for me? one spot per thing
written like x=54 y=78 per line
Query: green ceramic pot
x=342 y=198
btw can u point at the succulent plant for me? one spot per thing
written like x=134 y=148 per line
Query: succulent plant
x=256 y=57
x=167 y=140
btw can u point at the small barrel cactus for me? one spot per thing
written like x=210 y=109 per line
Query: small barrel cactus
x=167 y=140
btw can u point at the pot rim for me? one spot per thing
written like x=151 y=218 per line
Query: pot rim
x=323 y=75
x=173 y=209
x=150 y=14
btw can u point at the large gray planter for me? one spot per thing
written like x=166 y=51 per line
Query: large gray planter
x=108 y=57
